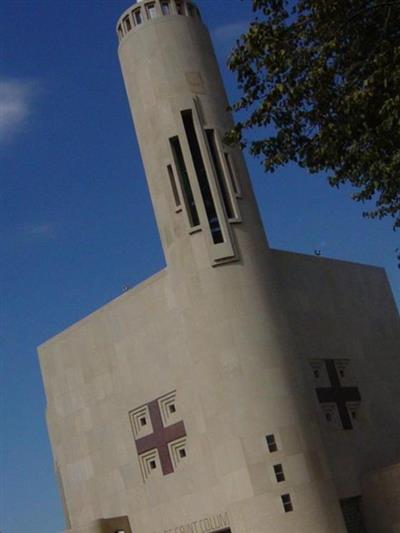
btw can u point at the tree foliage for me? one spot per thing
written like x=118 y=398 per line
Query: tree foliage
x=325 y=74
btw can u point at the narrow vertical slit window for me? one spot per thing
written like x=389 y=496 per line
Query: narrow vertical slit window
x=184 y=181
x=212 y=217
x=137 y=16
x=165 y=7
x=179 y=8
x=231 y=174
x=173 y=186
x=151 y=11
x=120 y=32
x=127 y=22
x=220 y=174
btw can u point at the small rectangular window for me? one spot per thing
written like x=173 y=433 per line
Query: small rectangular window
x=185 y=182
x=227 y=201
x=174 y=188
x=120 y=32
x=287 y=503
x=165 y=7
x=190 y=9
x=279 y=474
x=271 y=443
x=127 y=22
x=151 y=11
x=137 y=16
x=202 y=178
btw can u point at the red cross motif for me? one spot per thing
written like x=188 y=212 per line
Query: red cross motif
x=161 y=437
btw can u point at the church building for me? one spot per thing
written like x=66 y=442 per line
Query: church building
x=241 y=389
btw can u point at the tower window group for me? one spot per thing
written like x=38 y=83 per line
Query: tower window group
x=204 y=184
x=152 y=10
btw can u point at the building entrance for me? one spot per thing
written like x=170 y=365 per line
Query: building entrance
x=351 y=509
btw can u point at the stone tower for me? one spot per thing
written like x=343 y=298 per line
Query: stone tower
x=184 y=405
x=238 y=360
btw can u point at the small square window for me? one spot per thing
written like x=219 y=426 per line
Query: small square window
x=152 y=464
x=271 y=443
x=279 y=474
x=328 y=417
x=143 y=421
x=172 y=408
x=287 y=503
x=316 y=374
x=182 y=453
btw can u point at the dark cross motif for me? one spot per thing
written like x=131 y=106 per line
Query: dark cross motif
x=337 y=394
x=160 y=437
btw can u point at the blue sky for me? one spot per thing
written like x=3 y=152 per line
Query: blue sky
x=76 y=218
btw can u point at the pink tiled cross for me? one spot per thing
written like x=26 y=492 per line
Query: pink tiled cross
x=161 y=437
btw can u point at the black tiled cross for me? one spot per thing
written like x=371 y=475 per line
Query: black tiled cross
x=337 y=394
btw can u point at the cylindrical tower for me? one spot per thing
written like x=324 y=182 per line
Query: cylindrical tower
x=178 y=102
x=243 y=368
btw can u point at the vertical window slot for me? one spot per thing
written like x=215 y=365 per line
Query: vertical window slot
x=198 y=163
x=137 y=17
x=184 y=181
x=179 y=8
x=127 y=23
x=151 y=11
x=231 y=174
x=173 y=186
x=165 y=7
x=220 y=174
